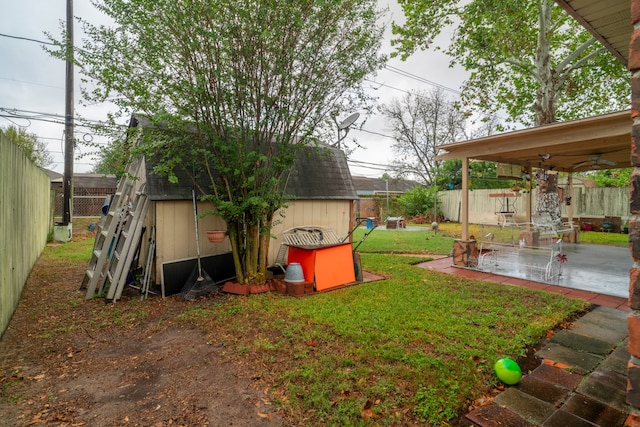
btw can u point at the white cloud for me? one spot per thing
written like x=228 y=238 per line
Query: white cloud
x=429 y=65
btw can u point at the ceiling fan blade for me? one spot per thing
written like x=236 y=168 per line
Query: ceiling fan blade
x=607 y=162
x=579 y=165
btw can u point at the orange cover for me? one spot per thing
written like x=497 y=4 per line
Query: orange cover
x=329 y=266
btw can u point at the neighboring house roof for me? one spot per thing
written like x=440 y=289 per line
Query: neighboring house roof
x=577 y=181
x=53 y=175
x=366 y=185
x=88 y=180
x=316 y=174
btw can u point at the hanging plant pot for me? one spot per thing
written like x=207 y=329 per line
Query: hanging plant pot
x=216 y=236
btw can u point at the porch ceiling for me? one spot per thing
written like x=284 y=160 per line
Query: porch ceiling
x=570 y=146
x=608 y=20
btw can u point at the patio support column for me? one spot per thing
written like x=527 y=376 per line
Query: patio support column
x=529 y=198
x=569 y=197
x=465 y=252
x=465 y=200
x=633 y=368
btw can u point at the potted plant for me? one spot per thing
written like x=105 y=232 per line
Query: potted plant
x=216 y=236
x=625 y=227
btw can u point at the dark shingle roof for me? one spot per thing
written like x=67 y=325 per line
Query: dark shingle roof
x=318 y=173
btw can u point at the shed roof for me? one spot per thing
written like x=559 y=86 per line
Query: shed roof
x=318 y=173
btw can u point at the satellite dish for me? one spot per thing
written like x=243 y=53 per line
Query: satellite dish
x=348 y=121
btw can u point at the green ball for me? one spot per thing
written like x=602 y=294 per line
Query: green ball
x=508 y=371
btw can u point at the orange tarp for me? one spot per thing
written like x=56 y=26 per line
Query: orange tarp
x=328 y=266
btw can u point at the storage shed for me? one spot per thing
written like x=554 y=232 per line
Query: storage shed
x=321 y=193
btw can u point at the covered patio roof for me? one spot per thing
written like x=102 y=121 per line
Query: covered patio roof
x=601 y=142
x=609 y=21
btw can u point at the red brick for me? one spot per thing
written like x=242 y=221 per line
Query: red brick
x=635 y=96
x=635 y=129
x=634 y=289
x=635 y=11
x=634 y=239
x=633 y=323
x=634 y=51
x=635 y=193
x=633 y=420
x=633 y=384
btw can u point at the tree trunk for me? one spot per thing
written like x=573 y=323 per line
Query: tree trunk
x=547 y=198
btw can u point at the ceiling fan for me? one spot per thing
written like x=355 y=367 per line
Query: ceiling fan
x=595 y=161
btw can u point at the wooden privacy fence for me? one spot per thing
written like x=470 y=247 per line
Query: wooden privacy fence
x=25 y=210
x=589 y=204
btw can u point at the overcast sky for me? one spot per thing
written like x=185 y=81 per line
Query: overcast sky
x=32 y=83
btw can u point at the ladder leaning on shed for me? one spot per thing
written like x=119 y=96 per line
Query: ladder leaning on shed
x=117 y=224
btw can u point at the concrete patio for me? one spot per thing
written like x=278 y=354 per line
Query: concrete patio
x=600 y=269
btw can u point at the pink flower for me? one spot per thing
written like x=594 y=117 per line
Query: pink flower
x=561 y=258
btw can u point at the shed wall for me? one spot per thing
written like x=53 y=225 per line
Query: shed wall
x=176 y=229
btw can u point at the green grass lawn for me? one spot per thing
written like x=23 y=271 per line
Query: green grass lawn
x=415 y=348
x=381 y=240
x=617 y=239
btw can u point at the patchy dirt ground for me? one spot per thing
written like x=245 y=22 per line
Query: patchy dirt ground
x=69 y=362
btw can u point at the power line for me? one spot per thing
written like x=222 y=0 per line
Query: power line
x=361 y=162
x=374 y=133
x=421 y=79
x=26 y=39
x=30 y=83
x=15 y=113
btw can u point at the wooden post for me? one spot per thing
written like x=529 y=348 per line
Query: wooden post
x=529 y=197
x=464 y=220
x=569 y=197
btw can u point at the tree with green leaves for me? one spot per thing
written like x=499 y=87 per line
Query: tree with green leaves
x=419 y=201
x=481 y=175
x=232 y=90
x=527 y=59
x=31 y=146
x=609 y=177
x=112 y=159
x=420 y=122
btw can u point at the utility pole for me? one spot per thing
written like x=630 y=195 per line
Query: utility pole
x=68 y=127
x=62 y=231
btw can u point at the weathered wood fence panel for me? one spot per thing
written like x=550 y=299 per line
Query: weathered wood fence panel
x=25 y=221
x=600 y=203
